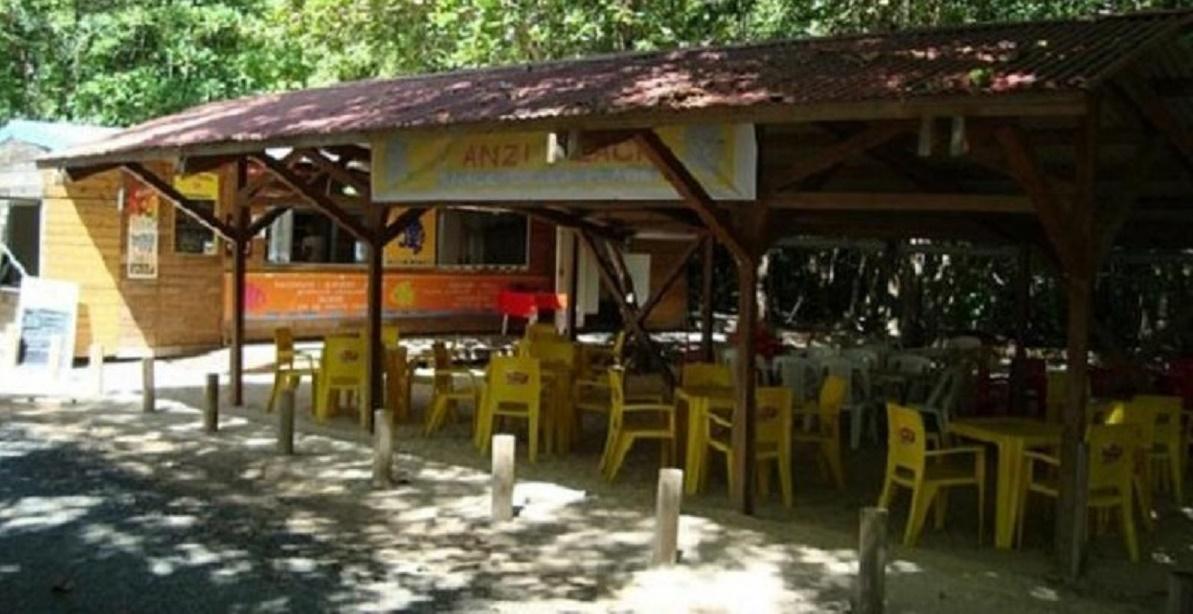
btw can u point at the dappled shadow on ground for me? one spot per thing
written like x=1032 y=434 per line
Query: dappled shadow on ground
x=151 y=507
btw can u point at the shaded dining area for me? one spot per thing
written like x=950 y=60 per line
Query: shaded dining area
x=1065 y=142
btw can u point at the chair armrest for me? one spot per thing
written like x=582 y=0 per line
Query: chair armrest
x=647 y=398
x=1043 y=458
x=643 y=407
x=977 y=451
x=720 y=420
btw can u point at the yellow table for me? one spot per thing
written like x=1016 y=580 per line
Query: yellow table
x=698 y=399
x=1012 y=436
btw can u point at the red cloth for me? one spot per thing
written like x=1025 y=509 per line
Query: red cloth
x=525 y=304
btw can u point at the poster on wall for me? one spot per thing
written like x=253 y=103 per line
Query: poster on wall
x=47 y=312
x=415 y=246
x=143 y=208
x=514 y=166
x=327 y=295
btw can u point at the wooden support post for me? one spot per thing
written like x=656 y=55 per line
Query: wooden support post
x=503 y=478
x=743 y=438
x=666 y=529
x=1180 y=592
x=286 y=422
x=376 y=354
x=706 y=302
x=383 y=450
x=148 y=391
x=1018 y=390
x=240 y=247
x=95 y=359
x=870 y=586
x=211 y=411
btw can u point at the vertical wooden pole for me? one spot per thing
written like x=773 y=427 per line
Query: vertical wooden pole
x=95 y=360
x=1018 y=395
x=706 y=302
x=240 y=245
x=574 y=290
x=376 y=251
x=666 y=530
x=211 y=411
x=148 y=391
x=503 y=478
x=383 y=450
x=870 y=587
x=1180 y=592
x=743 y=417
x=286 y=422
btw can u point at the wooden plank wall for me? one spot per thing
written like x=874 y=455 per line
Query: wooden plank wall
x=83 y=240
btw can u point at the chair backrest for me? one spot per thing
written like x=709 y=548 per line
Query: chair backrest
x=849 y=372
x=800 y=375
x=774 y=414
x=541 y=331
x=344 y=359
x=283 y=342
x=556 y=350
x=831 y=401
x=1111 y=455
x=1166 y=413
x=906 y=439
x=390 y=335
x=706 y=374
x=947 y=390
x=865 y=357
x=910 y=364
x=514 y=379
x=1141 y=415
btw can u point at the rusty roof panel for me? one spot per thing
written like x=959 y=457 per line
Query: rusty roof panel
x=980 y=60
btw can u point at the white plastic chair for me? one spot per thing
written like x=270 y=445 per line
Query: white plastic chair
x=942 y=401
x=761 y=371
x=799 y=374
x=858 y=405
x=915 y=367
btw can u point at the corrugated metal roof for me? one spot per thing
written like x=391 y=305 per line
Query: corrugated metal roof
x=53 y=136
x=994 y=62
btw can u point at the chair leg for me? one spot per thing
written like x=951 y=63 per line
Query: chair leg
x=623 y=448
x=533 y=435
x=921 y=502
x=762 y=478
x=273 y=394
x=981 y=478
x=785 y=481
x=855 y=427
x=1174 y=467
x=832 y=455
x=1129 y=529
x=888 y=492
x=941 y=508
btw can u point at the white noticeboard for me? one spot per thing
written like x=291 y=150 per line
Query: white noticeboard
x=47 y=313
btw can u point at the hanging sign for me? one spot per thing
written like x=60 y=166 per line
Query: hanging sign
x=199 y=186
x=514 y=166
x=143 y=208
x=415 y=246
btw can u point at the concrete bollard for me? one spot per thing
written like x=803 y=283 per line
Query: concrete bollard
x=666 y=532
x=504 y=447
x=95 y=356
x=1180 y=592
x=286 y=422
x=148 y=390
x=383 y=449
x=870 y=586
x=211 y=412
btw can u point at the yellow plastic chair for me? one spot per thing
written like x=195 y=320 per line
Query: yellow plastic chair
x=343 y=369
x=1111 y=473
x=772 y=435
x=630 y=422
x=542 y=331
x=927 y=473
x=1166 y=447
x=514 y=390
x=451 y=385
x=290 y=366
x=1142 y=416
x=557 y=359
x=390 y=335
x=397 y=383
x=706 y=374
x=825 y=431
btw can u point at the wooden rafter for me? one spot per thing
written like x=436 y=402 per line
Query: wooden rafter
x=267 y=218
x=317 y=200
x=900 y=201
x=851 y=146
x=693 y=194
x=404 y=219
x=245 y=193
x=190 y=207
x=1025 y=169
x=1154 y=111
x=203 y=164
x=82 y=173
x=339 y=172
x=669 y=280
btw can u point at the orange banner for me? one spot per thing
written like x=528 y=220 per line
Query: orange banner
x=298 y=295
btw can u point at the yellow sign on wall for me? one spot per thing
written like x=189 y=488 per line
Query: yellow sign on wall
x=200 y=186
x=514 y=166
x=415 y=246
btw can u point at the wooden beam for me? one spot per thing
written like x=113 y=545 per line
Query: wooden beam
x=395 y=228
x=669 y=280
x=854 y=145
x=316 y=199
x=572 y=220
x=1053 y=213
x=373 y=309
x=706 y=302
x=82 y=173
x=1156 y=113
x=900 y=201
x=744 y=416
x=267 y=218
x=689 y=189
x=240 y=244
x=338 y=172
x=203 y=164
x=245 y=193
x=163 y=188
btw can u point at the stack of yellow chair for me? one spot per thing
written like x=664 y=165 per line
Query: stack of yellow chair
x=290 y=366
x=630 y=422
x=772 y=438
x=343 y=370
x=825 y=431
x=513 y=390
x=451 y=385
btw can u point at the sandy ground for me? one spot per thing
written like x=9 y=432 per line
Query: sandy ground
x=103 y=508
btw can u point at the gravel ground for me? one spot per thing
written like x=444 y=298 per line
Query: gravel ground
x=103 y=508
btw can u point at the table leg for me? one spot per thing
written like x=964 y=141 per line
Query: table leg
x=1010 y=455
x=692 y=456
